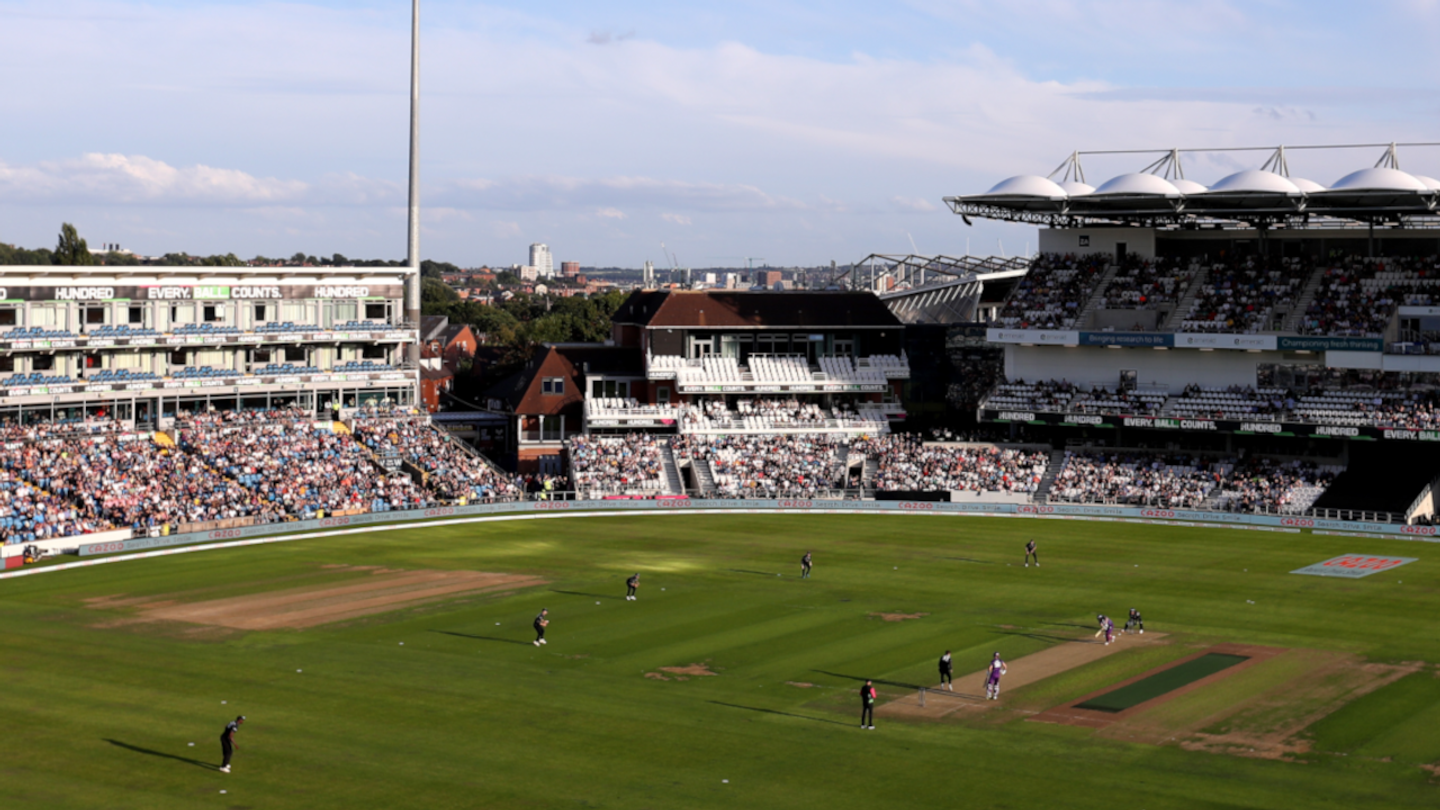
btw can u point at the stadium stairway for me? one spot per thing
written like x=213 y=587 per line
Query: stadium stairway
x=340 y=428
x=163 y=441
x=1042 y=490
x=1082 y=321
x=704 y=477
x=1182 y=307
x=673 y=480
x=867 y=474
x=1307 y=295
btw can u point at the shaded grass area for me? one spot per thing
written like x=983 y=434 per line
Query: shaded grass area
x=1118 y=700
x=1396 y=721
x=468 y=713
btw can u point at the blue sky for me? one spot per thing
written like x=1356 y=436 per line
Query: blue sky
x=797 y=132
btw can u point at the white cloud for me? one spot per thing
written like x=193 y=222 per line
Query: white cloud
x=115 y=178
x=610 y=213
x=677 y=219
x=916 y=204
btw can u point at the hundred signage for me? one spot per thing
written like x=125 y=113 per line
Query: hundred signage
x=1211 y=425
x=1185 y=340
x=198 y=292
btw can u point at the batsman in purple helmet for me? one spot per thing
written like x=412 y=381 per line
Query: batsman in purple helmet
x=1107 y=628
x=992 y=677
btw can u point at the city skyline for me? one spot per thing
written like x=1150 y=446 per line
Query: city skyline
x=788 y=131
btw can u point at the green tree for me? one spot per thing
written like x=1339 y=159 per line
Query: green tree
x=435 y=293
x=71 y=249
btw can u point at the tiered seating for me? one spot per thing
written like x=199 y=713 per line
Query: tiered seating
x=1148 y=283
x=205 y=330
x=709 y=369
x=274 y=369
x=203 y=373
x=361 y=326
x=121 y=331
x=362 y=367
x=906 y=463
x=889 y=363
x=768 y=414
x=666 y=362
x=285 y=327
x=36 y=333
x=1101 y=400
x=35 y=378
x=295 y=465
x=1240 y=297
x=779 y=369
x=1234 y=402
x=611 y=407
x=1051 y=294
x=765 y=466
x=122 y=375
x=1167 y=481
x=843 y=369
x=628 y=464
x=1265 y=485
x=1360 y=295
x=452 y=474
x=1047 y=395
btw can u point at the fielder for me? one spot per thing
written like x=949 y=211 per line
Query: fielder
x=947 y=669
x=1135 y=621
x=540 y=624
x=227 y=742
x=631 y=585
x=993 y=673
x=1031 y=552
x=805 y=566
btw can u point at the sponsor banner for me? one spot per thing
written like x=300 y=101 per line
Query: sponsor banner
x=1330 y=344
x=1211 y=425
x=818 y=506
x=1353 y=566
x=1209 y=341
x=1126 y=339
x=1042 y=337
x=196 y=292
x=1420 y=312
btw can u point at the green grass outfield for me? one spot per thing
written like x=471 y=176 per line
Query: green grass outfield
x=467 y=713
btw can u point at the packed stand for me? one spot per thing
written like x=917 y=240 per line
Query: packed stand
x=1266 y=485
x=617 y=464
x=1051 y=294
x=451 y=472
x=1169 y=481
x=1240 y=297
x=295 y=465
x=1147 y=283
x=798 y=466
x=906 y=463
x=1358 y=297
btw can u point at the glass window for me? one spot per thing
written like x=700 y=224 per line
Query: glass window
x=294 y=354
x=552 y=385
x=9 y=316
x=375 y=312
x=137 y=315
x=94 y=315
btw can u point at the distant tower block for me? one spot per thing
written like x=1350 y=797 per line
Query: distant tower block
x=541 y=260
x=569 y=269
x=647 y=277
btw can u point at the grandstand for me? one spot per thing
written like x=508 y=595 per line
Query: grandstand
x=143 y=345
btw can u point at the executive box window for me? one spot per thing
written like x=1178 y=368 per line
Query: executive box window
x=552 y=385
x=7 y=364
x=610 y=388
x=211 y=313
x=264 y=312
x=137 y=315
x=43 y=362
x=94 y=315
x=375 y=312
x=294 y=354
x=9 y=316
x=372 y=353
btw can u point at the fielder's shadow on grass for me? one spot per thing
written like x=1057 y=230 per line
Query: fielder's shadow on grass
x=860 y=679
x=483 y=638
x=757 y=573
x=137 y=749
x=783 y=714
x=971 y=560
x=591 y=595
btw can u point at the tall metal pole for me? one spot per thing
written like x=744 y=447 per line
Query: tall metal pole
x=412 y=286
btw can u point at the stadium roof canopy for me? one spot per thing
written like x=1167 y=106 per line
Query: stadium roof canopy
x=1159 y=196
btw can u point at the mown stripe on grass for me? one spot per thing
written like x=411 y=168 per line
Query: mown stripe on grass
x=1118 y=700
